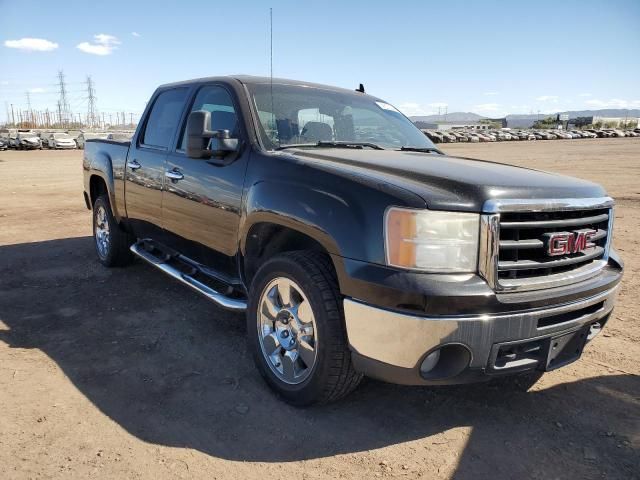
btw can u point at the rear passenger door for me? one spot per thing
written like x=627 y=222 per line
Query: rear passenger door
x=146 y=162
x=201 y=210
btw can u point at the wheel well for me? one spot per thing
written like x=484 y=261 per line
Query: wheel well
x=97 y=187
x=265 y=240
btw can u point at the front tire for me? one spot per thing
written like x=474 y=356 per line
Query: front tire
x=111 y=242
x=295 y=328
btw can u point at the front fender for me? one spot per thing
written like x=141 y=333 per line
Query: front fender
x=346 y=219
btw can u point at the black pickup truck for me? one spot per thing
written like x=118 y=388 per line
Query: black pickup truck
x=352 y=243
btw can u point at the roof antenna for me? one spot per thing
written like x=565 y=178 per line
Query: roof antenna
x=360 y=88
x=273 y=114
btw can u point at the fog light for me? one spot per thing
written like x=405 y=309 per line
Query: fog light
x=430 y=362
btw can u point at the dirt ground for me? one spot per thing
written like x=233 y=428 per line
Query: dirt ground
x=124 y=373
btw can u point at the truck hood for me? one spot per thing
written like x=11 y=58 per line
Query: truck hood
x=449 y=183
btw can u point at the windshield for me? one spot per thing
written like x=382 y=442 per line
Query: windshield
x=308 y=115
x=27 y=135
x=61 y=136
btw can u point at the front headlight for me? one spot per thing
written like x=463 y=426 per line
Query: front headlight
x=441 y=242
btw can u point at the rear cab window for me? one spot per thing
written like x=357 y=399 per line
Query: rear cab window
x=164 y=118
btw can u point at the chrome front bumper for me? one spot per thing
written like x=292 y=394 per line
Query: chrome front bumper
x=392 y=345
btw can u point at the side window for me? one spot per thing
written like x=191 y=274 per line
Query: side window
x=164 y=117
x=216 y=100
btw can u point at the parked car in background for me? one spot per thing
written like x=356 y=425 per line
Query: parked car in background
x=588 y=134
x=600 y=133
x=84 y=136
x=28 y=141
x=447 y=137
x=544 y=135
x=4 y=144
x=433 y=136
x=562 y=135
x=471 y=137
x=614 y=133
x=60 y=141
x=458 y=136
x=501 y=136
x=489 y=136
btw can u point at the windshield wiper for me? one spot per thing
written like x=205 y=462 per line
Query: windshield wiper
x=420 y=149
x=332 y=144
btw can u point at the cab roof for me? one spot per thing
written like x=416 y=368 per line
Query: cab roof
x=255 y=80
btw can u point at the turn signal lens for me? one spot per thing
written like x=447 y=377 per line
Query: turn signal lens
x=442 y=242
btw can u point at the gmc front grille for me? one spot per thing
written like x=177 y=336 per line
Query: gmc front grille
x=514 y=251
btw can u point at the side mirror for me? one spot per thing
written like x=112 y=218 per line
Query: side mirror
x=205 y=143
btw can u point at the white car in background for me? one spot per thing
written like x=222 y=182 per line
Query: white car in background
x=27 y=141
x=84 y=136
x=61 y=141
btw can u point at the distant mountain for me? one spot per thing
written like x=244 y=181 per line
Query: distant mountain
x=455 y=117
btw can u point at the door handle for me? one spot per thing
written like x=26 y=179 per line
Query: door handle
x=174 y=174
x=133 y=165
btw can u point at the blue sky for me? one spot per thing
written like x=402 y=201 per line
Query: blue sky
x=490 y=57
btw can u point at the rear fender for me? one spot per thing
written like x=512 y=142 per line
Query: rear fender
x=102 y=167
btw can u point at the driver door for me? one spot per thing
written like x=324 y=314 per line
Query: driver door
x=201 y=201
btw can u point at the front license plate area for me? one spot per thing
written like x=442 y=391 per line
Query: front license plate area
x=566 y=348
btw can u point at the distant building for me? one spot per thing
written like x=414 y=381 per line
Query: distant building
x=615 y=122
x=442 y=126
x=606 y=122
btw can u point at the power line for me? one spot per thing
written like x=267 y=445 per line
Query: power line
x=63 y=103
x=92 y=110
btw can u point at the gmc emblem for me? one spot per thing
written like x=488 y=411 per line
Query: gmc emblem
x=565 y=243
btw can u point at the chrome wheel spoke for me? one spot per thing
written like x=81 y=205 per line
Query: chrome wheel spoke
x=306 y=352
x=284 y=292
x=289 y=360
x=304 y=312
x=269 y=307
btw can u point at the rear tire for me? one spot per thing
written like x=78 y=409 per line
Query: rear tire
x=111 y=242
x=325 y=375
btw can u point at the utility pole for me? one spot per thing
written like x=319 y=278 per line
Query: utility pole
x=92 y=110
x=13 y=117
x=63 y=103
x=59 y=114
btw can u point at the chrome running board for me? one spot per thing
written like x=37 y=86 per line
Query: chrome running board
x=237 y=305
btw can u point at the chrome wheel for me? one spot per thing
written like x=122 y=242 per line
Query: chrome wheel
x=102 y=231
x=287 y=330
